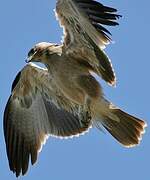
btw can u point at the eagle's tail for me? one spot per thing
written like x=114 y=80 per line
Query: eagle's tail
x=124 y=127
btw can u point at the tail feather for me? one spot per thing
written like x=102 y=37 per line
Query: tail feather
x=126 y=129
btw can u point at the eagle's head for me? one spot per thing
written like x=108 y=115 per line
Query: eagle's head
x=42 y=52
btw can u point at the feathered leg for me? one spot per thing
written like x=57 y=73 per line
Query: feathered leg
x=92 y=92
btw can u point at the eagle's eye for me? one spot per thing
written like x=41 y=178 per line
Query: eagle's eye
x=31 y=52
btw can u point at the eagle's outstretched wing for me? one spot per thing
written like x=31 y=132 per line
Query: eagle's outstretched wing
x=35 y=110
x=85 y=36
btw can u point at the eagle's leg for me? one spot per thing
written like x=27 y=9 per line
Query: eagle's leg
x=92 y=92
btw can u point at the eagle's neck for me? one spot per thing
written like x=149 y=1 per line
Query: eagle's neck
x=52 y=62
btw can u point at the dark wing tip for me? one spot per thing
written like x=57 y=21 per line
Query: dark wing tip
x=99 y=15
x=19 y=149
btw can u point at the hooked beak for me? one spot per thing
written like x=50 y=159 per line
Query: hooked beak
x=30 y=58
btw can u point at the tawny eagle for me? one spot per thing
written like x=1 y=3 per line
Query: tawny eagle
x=64 y=99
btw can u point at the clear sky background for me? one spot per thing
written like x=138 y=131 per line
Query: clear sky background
x=96 y=155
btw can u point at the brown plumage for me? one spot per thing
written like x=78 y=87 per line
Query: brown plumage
x=64 y=99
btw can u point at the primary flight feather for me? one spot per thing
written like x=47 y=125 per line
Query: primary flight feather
x=64 y=100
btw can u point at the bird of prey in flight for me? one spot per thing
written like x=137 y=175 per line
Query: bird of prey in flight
x=64 y=99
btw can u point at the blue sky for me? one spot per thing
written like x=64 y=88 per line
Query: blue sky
x=96 y=155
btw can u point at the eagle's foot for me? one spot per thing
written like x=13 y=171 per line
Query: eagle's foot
x=85 y=116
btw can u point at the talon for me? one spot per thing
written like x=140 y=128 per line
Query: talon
x=85 y=118
x=85 y=115
x=88 y=116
